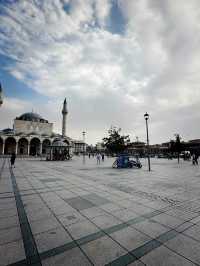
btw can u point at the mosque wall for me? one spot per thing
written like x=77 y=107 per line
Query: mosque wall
x=27 y=127
x=33 y=135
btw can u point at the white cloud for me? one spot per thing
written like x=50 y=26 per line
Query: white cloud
x=152 y=66
x=10 y=109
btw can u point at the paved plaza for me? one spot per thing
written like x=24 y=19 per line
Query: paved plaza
x=75 y=213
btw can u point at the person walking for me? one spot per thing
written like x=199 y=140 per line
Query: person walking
x=98 y=158
x=196 y=158
x=193 y=159
x=102 y=157
x=12 y=159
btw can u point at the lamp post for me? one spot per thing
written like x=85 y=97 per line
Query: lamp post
x=83 y=146
x=146 y=117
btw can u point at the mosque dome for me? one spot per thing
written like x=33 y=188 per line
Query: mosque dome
x=32 y=117
x=59 y=143
x=8 y=130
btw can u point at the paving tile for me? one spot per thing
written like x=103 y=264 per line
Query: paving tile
x=193 y=231
x=72 y=257
x=10 y=235
x=183 y=227
x=103 y=250
x=162 y=256
x=79 y=203
x=82 y=229
x=96 y=199
x=157 y=205
x=105 y=221
x=51 y=239
x=43 y=225
x=186 y=247
x=66 y=194
x=9 y=222
x=127 y=203
x=195 y=220
x=38 y=214
x=111 y=207
x=61 y=209
x=8 y=213
x=11 y=252
x=137 y=263
x=125 y=214
x=167 y=220
x=151 y=228
x=183 y=215
x=7 y=205
x=49 y=180
x=130 y=238
x=93 y=212
x=140 y=209
x=71 y=218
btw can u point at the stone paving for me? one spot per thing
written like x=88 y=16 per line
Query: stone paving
x=75 y=213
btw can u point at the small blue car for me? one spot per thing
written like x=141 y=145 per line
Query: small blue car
x=123 y=161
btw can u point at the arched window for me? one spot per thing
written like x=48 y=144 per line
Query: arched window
x=22 y=146
x=1 y=146
x=46 y=143
x=34 y=146
x=10 y=145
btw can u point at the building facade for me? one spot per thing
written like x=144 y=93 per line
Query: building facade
x=32 y=135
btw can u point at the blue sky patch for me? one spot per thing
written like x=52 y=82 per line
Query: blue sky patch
x=117 y=21
x=13 y=87
x=66 y=7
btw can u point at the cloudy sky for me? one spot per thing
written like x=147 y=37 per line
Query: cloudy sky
x=112 y=59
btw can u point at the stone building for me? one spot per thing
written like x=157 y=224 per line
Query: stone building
x=32 y=135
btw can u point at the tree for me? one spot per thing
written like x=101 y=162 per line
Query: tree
x=116 y=143
x=176 y=146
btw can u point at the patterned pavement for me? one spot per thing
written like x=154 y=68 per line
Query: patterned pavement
x=80 y=213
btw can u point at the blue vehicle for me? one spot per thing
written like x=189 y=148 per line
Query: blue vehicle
x=123 y=161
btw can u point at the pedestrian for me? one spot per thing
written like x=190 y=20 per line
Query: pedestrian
x=102 y=157
x=89 y=155
x=12 y=159
x=193 y=159
x=196 y=158
x=98 y=158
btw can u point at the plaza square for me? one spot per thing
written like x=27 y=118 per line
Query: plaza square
x=81 y=213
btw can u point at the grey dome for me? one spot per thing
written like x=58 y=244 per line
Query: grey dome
x=8 y=130
x=32 y=117
x=59 y=143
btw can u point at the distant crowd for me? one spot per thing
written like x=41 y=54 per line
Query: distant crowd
x=99 y=156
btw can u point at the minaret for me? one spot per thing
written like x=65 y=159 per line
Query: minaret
x=1 y=95
x=64 y=121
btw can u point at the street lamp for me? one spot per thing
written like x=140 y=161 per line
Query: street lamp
x=146 y=117
x=83 y=146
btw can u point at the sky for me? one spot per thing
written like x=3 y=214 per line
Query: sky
x=113 y=60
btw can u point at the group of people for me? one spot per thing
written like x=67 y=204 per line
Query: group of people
x=100 y=157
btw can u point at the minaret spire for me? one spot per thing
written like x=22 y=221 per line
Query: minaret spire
x=64 y=120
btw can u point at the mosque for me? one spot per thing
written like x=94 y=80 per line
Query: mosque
x=32 y=135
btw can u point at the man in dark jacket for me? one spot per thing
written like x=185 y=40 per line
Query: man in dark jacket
x=12 y=159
